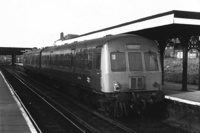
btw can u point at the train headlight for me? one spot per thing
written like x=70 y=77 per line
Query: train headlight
x=156 y=85
x=116 y=86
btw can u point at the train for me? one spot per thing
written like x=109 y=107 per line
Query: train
x=116 y=73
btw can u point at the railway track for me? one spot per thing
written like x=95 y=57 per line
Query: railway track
x=98 y=124
x=59 y=112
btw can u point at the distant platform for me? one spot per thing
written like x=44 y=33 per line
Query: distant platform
x=19 y=64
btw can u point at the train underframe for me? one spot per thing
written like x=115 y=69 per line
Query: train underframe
x=121 y=104
x=117 y=104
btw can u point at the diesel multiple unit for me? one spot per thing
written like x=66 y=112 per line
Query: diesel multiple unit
x=114 y=71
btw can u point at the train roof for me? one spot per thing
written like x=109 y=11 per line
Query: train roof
x=97 y=42
x=33 y=51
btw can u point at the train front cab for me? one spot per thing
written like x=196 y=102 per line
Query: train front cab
x=131 y=68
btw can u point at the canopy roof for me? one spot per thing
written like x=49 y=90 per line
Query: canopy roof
x=170 y=24
x=13 y=50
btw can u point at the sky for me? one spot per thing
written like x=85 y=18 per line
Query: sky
x=38 y=23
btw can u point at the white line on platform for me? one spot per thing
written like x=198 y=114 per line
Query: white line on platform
x=182 y=100
x=28 y=121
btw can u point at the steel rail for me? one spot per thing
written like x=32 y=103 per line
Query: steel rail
x=24 y=107
x=28 y=85
x=117 y=124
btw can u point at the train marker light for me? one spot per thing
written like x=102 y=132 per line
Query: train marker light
x=88 y=79
x=116 y=86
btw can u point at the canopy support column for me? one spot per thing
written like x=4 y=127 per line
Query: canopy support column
x=199 y=71
x=184 y=41
x=13 y=58
x=162 y=44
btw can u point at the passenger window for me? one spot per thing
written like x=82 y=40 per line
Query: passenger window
x=118 y=61
x=151 y=61
x=135 y=61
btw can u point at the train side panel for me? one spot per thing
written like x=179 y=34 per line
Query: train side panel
x=31 y=61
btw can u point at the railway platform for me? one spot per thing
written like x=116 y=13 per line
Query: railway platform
x=13 y=118
x=173 y=92
x=183 y=106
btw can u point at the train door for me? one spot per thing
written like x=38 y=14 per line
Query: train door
x=72 y=60
x=72 y=65
x=96 y=72
x=50 y=59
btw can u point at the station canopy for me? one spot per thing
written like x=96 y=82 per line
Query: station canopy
x=172 y=24
x=13 y=50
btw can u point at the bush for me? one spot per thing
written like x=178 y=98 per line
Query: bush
x=173 y=70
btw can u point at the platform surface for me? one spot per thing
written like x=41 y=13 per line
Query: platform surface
x=173 y=91
x=12 y=117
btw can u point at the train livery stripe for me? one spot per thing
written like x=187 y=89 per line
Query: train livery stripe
x=182 y=100
x=28 y=121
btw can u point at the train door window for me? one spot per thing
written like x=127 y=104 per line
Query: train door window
x=98 y=61
x=32 y=59
x=135 y=61
x=68 y=60
x=78 y=56
x=54 y=59
x=29 y=62
x=151 y=61
x=37 y=60
x=118 y=61
x=88 y=61
x=49 y=59
x=81 y=61
x=72 y=58
x=44 y=59
x=60 y=60
x=65 y=60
